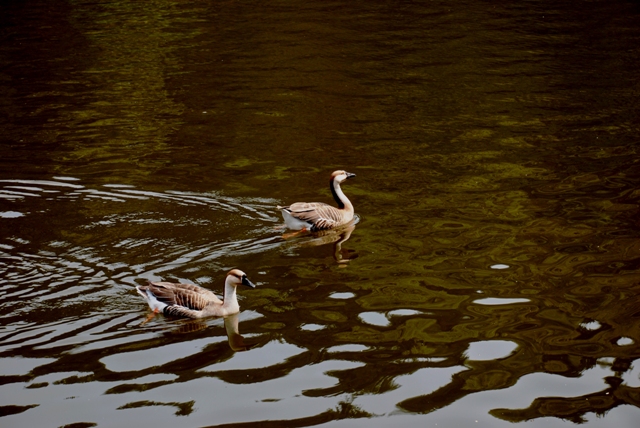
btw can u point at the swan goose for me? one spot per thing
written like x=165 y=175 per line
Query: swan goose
x=192 y=301
x=317 y=216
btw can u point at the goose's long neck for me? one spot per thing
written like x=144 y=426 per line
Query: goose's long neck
x=229 y=298
x=343 y=202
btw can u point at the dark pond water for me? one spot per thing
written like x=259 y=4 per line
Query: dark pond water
x=493 y=277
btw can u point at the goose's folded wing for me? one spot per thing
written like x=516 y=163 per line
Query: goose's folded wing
x=322 y=216
x=182 y=312
x=186 y=295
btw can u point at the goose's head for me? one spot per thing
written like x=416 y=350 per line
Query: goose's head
x=341 y=175
x=237 y=277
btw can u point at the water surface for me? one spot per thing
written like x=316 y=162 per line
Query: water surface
x=492 y=277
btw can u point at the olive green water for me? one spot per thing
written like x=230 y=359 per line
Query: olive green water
x=492 y=278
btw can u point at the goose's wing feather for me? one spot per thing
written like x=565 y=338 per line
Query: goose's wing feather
x=185 y=295
x=182 y=312
x=320 y=215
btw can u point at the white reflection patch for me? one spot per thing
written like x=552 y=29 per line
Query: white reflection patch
x=498 y=301
x=625 y=341
x=499 y=266
x=346 y=295
x=490 y=350
x=10 y=214
x=374 y=318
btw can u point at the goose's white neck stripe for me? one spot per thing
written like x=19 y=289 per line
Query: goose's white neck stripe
x=229 y=297
x=341 y=199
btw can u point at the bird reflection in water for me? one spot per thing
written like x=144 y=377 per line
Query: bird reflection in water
x=336 y=236
x=231 y=325
x=236 y=341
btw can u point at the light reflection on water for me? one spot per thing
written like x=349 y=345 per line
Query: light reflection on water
x=491 y=276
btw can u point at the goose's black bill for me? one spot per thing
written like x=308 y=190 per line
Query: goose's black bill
x=245 y=281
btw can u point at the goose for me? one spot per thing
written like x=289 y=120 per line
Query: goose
x=317 y=216
x=192 y=301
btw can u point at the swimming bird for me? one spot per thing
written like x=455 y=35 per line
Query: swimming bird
x=192 y=301
x=317 y=216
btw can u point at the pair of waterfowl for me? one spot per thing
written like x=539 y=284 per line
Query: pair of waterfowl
x=192 y=301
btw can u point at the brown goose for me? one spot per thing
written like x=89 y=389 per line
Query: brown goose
x=192 y=301
x=316 y=216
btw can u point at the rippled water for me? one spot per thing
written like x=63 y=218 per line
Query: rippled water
x=492 y=277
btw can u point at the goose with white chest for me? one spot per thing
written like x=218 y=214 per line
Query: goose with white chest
x=318 y=216
x=192 y=301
